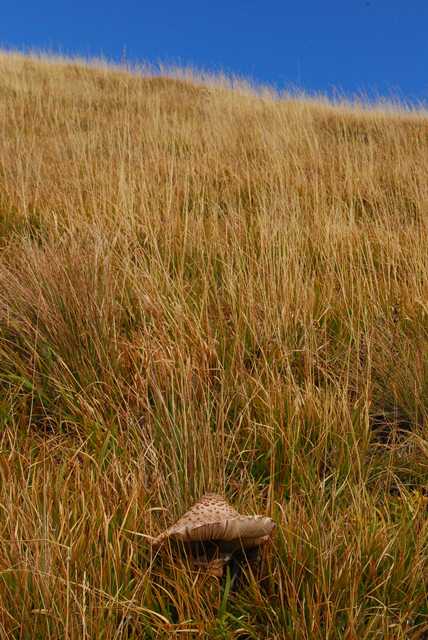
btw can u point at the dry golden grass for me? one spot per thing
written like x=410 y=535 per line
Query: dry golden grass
x=206 y=289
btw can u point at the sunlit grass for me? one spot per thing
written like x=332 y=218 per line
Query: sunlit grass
x=207 y=289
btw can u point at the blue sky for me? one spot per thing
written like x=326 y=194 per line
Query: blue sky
x=377 y=47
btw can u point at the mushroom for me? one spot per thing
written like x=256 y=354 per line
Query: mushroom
x=212 y=531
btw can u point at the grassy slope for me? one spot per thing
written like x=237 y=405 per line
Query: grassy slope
x=202 y=289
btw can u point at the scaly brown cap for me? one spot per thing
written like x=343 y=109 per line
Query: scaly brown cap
x=213 y=519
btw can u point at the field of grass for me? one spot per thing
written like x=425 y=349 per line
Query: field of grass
x=206 y=288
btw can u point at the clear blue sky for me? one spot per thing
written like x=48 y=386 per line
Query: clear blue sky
x=375 y=46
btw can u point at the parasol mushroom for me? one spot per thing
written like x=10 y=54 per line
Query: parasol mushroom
x=212 y=531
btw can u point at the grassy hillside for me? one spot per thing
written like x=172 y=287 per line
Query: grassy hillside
x=206 y=289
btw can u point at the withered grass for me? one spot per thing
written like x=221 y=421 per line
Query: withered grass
x=209 y=289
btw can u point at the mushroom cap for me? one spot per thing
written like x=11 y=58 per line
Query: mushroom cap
x=213 y=519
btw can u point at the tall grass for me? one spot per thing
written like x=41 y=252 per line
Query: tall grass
x=207 y=289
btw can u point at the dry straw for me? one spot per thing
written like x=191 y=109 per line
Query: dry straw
x=209 y=288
